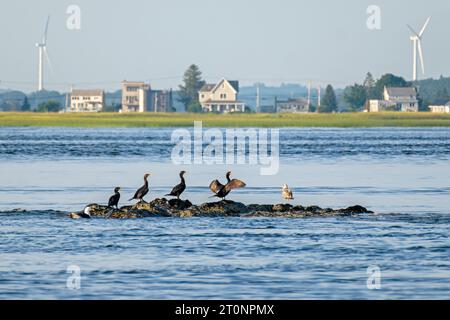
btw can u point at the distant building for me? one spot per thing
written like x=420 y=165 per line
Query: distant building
x=299 y=105
x=441 y=109
x=162 y=101
x=396 y=99
x=267 y=109
x=136 y=96
x=221 y=97
x=86 y=101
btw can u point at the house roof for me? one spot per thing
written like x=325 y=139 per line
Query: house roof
x=401 y=92
x=448 y=103
x=90 y=92
x=209 y=101
x=293 y=101
x=234 y=84
x=208 y=87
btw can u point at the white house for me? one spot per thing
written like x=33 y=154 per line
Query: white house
x=441 y=109
x=396 y=99
x=221 y=97
x=87 y=100
x=135 y=96
x=299 y=105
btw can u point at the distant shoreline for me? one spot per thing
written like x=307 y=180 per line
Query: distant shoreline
x=152 y=120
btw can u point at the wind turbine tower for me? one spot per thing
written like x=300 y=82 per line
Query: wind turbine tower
x=42 y=47
x=416 y=40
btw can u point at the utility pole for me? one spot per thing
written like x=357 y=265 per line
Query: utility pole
x=68 y=97
x=309 y=94
x=318 y=98
x=258 y=98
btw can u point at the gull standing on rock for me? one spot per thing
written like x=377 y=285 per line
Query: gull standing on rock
x=286 y=193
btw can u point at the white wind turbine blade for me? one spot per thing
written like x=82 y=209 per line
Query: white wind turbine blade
x=44 y=38
x=48 y=60
x=412 y=30
x=421 y=56
x=424 y=27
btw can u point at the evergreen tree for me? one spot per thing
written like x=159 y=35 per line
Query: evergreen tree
x=369 y=85
x=442 y=97
x=49 y=106
x=329 y=101
x=388 y=80
x=192 y=83
x=194 y=106
x=355 y=96
x=25 y=105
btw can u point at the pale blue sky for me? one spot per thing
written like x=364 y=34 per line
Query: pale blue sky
x=292 y=41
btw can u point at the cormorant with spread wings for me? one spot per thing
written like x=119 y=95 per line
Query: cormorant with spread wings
x=221 y=191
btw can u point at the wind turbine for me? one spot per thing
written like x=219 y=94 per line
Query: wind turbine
x=416 y=39
x=42 y=47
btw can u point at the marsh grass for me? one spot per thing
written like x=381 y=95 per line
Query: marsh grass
x=341 y=120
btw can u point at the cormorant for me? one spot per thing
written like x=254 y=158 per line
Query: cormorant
x=221 y=191
x=142 y=191
x=114 y=200
x=286 y=193
x=178 y=189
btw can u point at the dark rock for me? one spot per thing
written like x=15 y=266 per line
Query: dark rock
x=282 y=208
x=180 y=204
x=260 y=207
x=159 y=202
x=184 y=209
x=356 y=210
x=223 y=208
x=298 y=208
x=313 y=209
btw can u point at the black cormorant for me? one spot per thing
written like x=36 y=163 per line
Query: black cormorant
x=221 y=191
x=178 y=189
x=142 y=191
x=114 y=200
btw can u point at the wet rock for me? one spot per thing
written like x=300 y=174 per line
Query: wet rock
x=298 y=208
x=223 y=208
x=282 y=208
x=260 y=207
x=356 y=210
x=179 y=204
x=185 y=209
x=313 y=209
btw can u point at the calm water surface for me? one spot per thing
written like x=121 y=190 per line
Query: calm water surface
x=401 y=174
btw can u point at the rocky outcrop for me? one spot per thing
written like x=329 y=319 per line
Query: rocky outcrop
x=185 y=209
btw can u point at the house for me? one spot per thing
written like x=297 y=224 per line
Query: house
x=292 y=106
x=441 y=109
x=86 y=101
x=396 y=99
x=162 y=101
x=267 y=109
x=221 y=97
x=136 y=96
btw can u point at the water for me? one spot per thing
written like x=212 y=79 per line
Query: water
x=401 y=174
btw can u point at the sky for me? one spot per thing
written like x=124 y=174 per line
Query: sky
x=270 y=41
